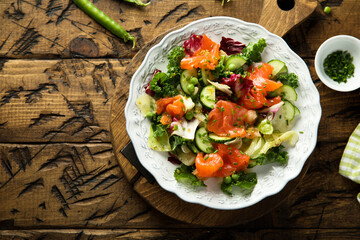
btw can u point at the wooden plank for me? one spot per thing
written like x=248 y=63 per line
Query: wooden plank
x=68 y=185
x=182 y=234
x=64 y=185
x=324 y=198
x=57 y=28
x=81 y=185
x=64 y=100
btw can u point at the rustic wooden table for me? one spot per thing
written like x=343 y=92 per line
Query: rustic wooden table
x=59 y=177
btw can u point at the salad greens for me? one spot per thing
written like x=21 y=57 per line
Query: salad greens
x=174 y=57
x=163 y=85
x=274 y=155
x=242 y=180
x=184 y=175
x=220 y=112
x=252 y=52
x=290 y=79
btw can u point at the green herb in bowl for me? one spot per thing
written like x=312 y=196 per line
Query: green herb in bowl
x=338 y=66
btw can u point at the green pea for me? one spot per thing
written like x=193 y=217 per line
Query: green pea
x=327 y=10
x=227 y=180
x=194 y=80
x=189 y=116
x=235 y=176
x=232 y=67
x=191 y=87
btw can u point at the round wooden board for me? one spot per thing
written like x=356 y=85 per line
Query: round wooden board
x=166 y=202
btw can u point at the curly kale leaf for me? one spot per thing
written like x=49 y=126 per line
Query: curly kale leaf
x=220 y=72
x=274 y=155
x=163 y=85
x=252 y=52
x=290 y=79
x=245 y=181
x=176 y=141
x=174 y=57
x=183 y=174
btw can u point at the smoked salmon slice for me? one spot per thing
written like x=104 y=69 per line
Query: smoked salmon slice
x=228 y=119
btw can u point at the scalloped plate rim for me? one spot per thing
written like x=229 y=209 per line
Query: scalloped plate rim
x=195 y=200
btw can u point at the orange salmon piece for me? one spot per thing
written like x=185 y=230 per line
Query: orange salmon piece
x=228 y=119
x=173 y=106
x=208 y=165
x=206 y=57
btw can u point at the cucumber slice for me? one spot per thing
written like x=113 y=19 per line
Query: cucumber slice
x=279 y=67
x=218 y=139
x=288 y=110
x=185 y=82
x=286 y=92
x=193 y=148
x=202 y=141
x=205 y=75
x=234 y=62
x=285 y=118
x=207 y=96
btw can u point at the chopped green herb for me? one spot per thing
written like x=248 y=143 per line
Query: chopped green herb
x=338 y=66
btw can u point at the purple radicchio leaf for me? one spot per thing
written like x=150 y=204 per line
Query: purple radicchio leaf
x=192 y=44
x=174 y=159
x=147 y=87
x=230 y=46
x=235 y=81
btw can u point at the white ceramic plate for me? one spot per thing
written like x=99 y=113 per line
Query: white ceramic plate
x=336 y=43
x=271 y=178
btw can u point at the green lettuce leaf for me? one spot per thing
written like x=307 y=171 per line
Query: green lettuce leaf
x=252 y=52
x=183 y=174
x=273 y=155
x=245 y=181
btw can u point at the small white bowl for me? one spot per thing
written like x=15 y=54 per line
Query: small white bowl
x=344 y=43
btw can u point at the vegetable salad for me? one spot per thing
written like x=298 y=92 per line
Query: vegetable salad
x=219 y=111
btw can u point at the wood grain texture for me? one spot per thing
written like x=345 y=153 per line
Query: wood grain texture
x=183 y=234
x=63 y=185
x=279 y=21
x=57 y=28
x=58 y=175
x=64 y=100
